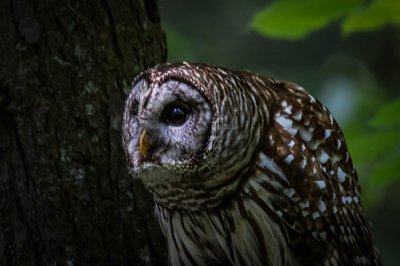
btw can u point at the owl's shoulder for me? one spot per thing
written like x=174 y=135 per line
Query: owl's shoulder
x=316 y=188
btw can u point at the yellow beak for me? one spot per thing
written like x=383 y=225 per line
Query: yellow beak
x=143 y=144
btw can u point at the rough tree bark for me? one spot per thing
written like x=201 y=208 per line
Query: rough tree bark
x=65 y=194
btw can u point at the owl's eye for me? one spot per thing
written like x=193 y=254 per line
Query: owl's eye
x=175 y=114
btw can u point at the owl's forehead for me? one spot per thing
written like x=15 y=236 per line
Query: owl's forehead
x=170 y=88
x=209 y=80
x=185 y=73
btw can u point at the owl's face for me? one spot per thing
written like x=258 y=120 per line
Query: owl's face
x=184 y=134
x=167 y=125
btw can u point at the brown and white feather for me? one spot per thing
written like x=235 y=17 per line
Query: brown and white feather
x=272 y=182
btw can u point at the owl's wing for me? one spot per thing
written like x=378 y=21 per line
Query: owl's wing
x=316 y=190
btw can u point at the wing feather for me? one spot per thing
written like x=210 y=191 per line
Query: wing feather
x=323 y=209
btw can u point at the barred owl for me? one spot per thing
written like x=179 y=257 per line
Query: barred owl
x=244 y=170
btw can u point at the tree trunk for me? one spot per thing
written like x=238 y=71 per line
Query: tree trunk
x=66 y=197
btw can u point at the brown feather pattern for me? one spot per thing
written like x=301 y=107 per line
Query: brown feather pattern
x=273 y=184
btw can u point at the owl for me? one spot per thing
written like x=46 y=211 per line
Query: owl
x=244 y=169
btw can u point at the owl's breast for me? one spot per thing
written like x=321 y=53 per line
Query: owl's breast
x=185 y=190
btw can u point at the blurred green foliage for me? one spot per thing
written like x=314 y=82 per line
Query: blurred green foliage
x=293 y=19
x=387 y=116
x=375 y=150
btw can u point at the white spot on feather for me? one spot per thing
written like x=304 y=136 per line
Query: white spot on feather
x=271 y=165
x=289 y=159
x=330 y=119
x=288 y=109
x=322 y=206
x=291 y=144
x=287 y=124
x=313 y=145
x=339 y=143
x=297 y=116
x=322 y=235
x=349 y=199
x=327 y=133
x=315 y=215
x=332 y=228
x=284 y=104
x=314 y=171
x=341 y=175
x=355 y=199
x=302 y=164
x=305 y=134
x=347 y=157
x=305 y=204
x=289 y=192
x=320 y=183
x=323 y=157
x=343 y=199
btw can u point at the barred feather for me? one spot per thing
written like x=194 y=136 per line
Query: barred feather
x=272 y=182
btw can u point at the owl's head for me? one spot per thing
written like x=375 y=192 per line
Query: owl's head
x=188 y=130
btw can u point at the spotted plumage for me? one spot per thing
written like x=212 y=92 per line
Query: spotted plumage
x=244 y=170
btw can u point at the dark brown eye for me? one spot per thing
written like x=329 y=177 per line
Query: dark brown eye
x=176 y=114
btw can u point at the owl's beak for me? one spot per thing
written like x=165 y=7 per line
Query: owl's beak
x=143 y=145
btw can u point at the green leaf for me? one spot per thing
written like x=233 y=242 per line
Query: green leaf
x=294 y=19
x=388 y=115
x=378 y=14
x=386 y=170
x=367 y=148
